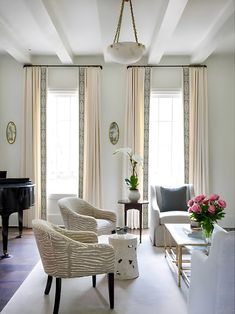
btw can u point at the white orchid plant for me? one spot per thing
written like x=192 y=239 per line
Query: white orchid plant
x=135 y=160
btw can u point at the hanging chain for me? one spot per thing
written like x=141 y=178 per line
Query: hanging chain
x=117 y=34
x=116 y=37
x=133 y=22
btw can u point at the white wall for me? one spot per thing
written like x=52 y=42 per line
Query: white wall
x=166 y=78
x=11 y=93
x=221 y=82
x=113 y=106
x=221 y=122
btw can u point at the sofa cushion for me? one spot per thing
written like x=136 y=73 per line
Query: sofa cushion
x=174 y=217
x=174 y=199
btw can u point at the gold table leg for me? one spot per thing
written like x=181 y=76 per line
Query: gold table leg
x=179 y=258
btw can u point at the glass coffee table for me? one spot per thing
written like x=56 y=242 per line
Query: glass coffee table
x=186 y=239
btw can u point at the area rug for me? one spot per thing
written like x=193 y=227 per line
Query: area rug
x=154 y=291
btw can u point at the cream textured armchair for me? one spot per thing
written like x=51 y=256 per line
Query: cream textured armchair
x=212 y=282
x=168 y=205
x=79 y=215
x=69 y=254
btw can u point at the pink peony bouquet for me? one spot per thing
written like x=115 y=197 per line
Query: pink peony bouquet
x=207 y=211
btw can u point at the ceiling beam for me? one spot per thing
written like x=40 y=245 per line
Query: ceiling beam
x=214 y=35
x=10 y=44
x=54 y=30
x=163 y=32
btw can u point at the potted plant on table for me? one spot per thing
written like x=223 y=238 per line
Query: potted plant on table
x=133 y=181
x=207 y=211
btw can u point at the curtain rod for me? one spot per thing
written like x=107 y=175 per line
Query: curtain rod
x=168 y=66
x=63 y=65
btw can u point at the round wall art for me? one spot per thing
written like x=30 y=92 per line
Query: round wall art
x=113 y=133
x=11 y=132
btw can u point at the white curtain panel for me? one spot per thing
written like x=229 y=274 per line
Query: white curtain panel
x=198 y=130
x=31 y=150
x=134 y=131
x=92 y=188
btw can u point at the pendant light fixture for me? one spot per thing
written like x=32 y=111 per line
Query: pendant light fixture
x=129 y=51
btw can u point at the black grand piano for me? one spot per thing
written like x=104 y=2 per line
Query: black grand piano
x=16 y=194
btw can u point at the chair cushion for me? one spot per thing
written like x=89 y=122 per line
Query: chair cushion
x=104 y=226
x=174 y=199
x=174 y=217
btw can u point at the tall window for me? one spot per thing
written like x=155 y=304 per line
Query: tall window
x=62 y=142
x=166 y=138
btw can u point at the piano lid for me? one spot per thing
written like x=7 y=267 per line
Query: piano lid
x=15 y=181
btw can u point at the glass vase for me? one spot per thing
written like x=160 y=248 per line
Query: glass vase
x=207 y=228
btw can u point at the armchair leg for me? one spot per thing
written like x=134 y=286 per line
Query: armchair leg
x=57 y=296
x=111 y=289
x=94 y=281
x=48 y=286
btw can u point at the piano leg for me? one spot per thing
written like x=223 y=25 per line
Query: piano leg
x=20 y=221
x=5 y=223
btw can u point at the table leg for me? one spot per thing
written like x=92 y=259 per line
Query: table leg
x=125 y=213
x=179 y=258
x=5 y=223
x=140 y=213
x=165 y=244
x=20 y=221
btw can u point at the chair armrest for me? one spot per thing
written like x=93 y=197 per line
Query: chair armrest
x=105 y=214
x=80 y=222
x=201 y=269
x=101 y=257
x=154 y=215
x=94 y=258
x=86 y=237
x=154 y=209
x=202 y=280
x=81 y=236
x=154 y=222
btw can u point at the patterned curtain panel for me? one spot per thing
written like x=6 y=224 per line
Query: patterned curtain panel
x=81 y=80
x=43 y=98
x=147 y=89
x=186 y=122
x=33 y=158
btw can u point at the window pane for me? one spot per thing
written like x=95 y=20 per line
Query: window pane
x=166 y=139
x=62 y=143
x=165 y=109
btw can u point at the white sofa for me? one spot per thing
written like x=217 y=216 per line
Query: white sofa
x=159 y=218
x=212 y=282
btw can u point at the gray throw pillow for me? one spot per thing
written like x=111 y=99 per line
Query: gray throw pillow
x=174 y=199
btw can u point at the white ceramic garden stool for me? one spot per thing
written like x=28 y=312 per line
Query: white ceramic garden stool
x=126 y=265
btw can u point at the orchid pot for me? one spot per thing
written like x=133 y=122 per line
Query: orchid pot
x=134 y=195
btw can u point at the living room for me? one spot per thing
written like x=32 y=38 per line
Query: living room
x=215 y=40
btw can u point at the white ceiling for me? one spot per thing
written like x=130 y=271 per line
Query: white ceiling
x=73 y=28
